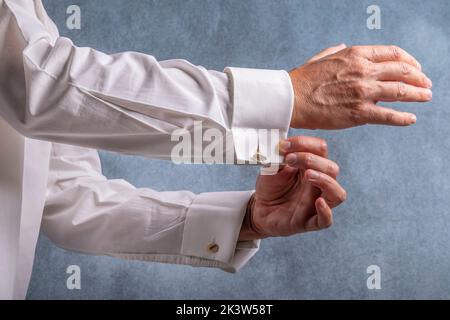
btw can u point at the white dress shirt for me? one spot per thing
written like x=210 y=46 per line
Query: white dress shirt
x=57 y=100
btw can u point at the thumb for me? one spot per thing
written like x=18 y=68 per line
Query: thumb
x=327 y=52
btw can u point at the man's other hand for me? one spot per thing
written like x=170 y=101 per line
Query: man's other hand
x=300 y=197
x=340 y=87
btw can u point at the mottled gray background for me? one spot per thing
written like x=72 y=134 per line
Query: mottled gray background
x=397 y=214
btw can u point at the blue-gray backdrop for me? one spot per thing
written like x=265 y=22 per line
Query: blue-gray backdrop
x=397 y=213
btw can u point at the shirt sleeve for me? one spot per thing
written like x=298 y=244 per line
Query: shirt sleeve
x=88 y=213
x=130 y=102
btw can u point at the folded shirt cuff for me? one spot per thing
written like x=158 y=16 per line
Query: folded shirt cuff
x=211 y=231
x=262 y=109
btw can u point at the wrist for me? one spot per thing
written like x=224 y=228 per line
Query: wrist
x=294 y=117
x=248 y=231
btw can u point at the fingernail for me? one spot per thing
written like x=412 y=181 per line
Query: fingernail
x=428 y=82
x=285 y=145
x=413 y=119
x=429 y=94
x=313 y=175
x=291 y=159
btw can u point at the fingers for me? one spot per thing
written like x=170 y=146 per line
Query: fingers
x=401 y=71
x=305 y=161
x=388 y=116
x=304 y=144
x=398 y=91
x=386 y=53
x=327 y=52
x=332 y=191
x=324 y=214
x=324 y=217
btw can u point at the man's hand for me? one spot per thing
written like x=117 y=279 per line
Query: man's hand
x=300 y=197
x=339 y=88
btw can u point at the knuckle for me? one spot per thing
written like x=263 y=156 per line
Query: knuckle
x=401 y=90
x=373 y=52
x=359 y=63
x=308 y=159
x=389 y=117
x=395 y=52
x=371 y=115
x=360 y=68
x=357 y=116
x=374 y=116
x=368 y=69
x=360 y=90
x=354 y=51
x=405 y=69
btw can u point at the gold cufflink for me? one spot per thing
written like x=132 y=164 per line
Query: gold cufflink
x=213 y=247
x=259 y=158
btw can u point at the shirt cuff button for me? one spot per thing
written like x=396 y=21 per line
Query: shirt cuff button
x=213 y=247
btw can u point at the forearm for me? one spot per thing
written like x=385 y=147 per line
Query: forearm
x=86 y=212
x=177 y=227
x=130 y=102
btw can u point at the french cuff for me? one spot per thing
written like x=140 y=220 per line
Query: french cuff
x=211 y=231
x=262 y=109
